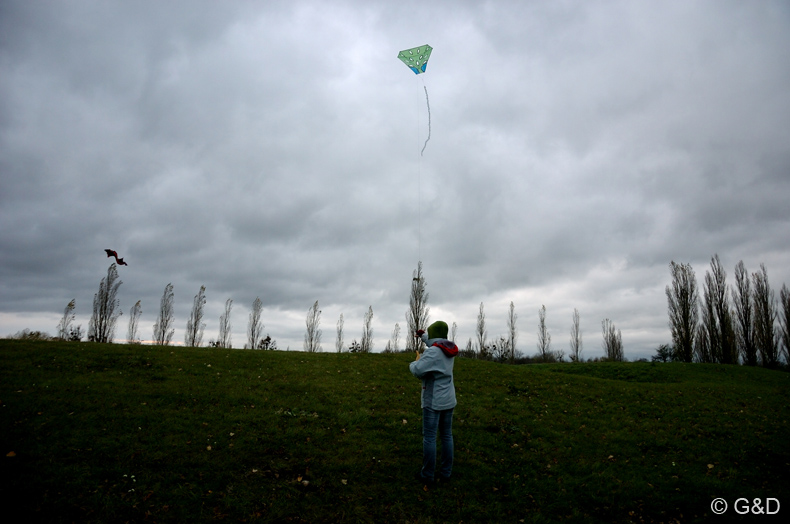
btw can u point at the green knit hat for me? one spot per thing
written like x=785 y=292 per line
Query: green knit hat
x=438 y=330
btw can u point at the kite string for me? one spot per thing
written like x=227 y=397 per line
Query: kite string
x=419 y=210
x=428 y=103
x=419 y=171
x=419 y=194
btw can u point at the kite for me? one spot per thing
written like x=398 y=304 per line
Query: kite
x=111 y=253
x=416 y=59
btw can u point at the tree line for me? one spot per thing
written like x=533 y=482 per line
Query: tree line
x=504 y=347
x=106 y=312
x=743 y=323
x=740 y=324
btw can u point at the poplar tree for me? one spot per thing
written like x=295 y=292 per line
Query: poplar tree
x=366 y=344
x=312 y=336
x=339 y=338
x=576 y=338
x=482 y=334
x=764 y=317
x=716 y=317
x=784 y=322
x=544 y=337
x=744 y=315
x=195 y=326
x=106 y=308
x=163 y=328
x=64 y=326
x=612 y=341
x=683 y=301
x=224 y=338
x=132 y=335
x=512 y=333
x=254 y=327
x=417 y=314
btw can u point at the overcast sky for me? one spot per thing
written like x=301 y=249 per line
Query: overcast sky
x=272 y=150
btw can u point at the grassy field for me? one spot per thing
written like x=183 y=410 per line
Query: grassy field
x=114 y=433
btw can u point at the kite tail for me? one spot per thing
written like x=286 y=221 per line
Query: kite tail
x=428 y=103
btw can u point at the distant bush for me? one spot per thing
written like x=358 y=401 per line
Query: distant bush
x=666 y=353
x=75 y=334
x=26 y=334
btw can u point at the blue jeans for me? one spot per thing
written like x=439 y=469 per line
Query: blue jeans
x=431 y=422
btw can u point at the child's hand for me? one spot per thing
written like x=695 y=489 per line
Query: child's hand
x=418 y=356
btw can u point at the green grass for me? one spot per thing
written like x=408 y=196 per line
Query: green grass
x=114 y=433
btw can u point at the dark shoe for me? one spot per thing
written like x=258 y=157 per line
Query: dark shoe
x=424 y=480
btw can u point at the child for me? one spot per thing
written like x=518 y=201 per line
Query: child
x=435 y=369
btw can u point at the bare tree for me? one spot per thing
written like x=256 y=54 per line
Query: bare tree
x=482 y=334
x=224 y=338
x=64 y=326
x=312 y=336
x=702 y=351
x=716 y=315
x=106 y=308
x=366 y=344
x=576 y=338
x=499 y=349
x=784 y=322
x=195 y=325
x=417 y=315
x=254 y=327
x=709 y=330
x=764 y=318
x=612 y=341
x=132 y=335
x=683 y=300
x=469 y=352
x=163 y=329
x=744 y=315
x=544 y=338
x=394 y=342
x=339 y=339
x=512 y=333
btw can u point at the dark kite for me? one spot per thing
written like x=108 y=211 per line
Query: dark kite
x=111 y=253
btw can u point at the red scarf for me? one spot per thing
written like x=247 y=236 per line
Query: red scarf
x=447 y=347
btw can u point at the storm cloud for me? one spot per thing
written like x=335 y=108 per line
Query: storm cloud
x=272 y=150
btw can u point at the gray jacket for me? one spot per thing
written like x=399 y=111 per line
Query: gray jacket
x=435 y=369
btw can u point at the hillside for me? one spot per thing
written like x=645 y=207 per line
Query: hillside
x=114 y=433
